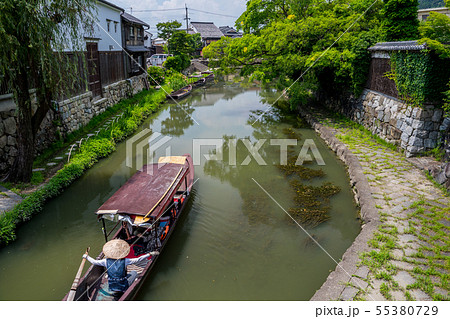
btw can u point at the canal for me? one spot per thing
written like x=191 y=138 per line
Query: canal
x=233 y=241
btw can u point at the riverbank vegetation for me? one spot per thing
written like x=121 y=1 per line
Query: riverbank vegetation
x=318 y=49
x=133 y=111
x=305 y=47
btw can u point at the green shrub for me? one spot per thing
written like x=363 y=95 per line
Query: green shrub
x=178 y=62
x=155 y=75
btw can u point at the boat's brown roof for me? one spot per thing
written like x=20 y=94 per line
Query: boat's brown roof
x=145 y=191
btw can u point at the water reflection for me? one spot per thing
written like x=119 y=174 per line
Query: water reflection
x=180 y=118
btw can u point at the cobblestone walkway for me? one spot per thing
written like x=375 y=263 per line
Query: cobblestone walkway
x=409 y=257
x=8 y=199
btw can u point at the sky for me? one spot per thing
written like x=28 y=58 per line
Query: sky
x=232 y=8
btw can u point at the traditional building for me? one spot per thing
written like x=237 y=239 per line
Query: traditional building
x=230 y=32
x=208 y=32
x=133 y=43
x=423 y=14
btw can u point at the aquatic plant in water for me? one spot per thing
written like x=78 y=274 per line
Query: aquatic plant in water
x=312 y=201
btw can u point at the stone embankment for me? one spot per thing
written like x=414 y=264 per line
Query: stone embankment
x=402 y=250
x=414 y=129
x=67 y=116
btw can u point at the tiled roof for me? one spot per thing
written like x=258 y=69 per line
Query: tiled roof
x=229 y=32
x=132 y=19
x=398 y=46
x=207 y=30
x=111 y=5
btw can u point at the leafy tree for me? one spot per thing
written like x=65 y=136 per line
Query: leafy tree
x=321 y=44
x=182 y=43
x=260 y=13
x=436 y=27
x=400 y=20
x=33 y=36
x=166 y=29
x=178 y=62
x=435 y=32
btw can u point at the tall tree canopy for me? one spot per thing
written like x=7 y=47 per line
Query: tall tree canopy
x=318 y=42
x=400 y=20
x=33 y=35
x=166 y=29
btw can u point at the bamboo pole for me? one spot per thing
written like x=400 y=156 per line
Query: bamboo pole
x=76 y=281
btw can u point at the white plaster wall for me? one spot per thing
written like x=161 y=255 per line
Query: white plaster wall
x=99 y=32
x=112 y=38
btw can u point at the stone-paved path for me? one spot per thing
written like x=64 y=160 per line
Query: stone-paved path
x=410 y=251
x=8 y=199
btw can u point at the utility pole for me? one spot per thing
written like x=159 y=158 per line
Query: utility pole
x=187 y=18
x=131 y=10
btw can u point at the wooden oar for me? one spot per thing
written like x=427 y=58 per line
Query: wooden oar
x=76 y=281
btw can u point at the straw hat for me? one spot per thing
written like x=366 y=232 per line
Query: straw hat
x=116 y=249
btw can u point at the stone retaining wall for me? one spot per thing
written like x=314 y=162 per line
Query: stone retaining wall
x=70 y=115
x=414 y=129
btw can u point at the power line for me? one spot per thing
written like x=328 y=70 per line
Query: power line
x=186 y=8
x=217 y=14
x=159 y=10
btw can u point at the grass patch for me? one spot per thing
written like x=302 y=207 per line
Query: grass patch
x=385 y=291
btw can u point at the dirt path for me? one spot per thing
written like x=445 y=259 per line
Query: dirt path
x=408 y=256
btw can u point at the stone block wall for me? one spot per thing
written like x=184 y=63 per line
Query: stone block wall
x=79 y=110
x=414 y=129
x=70 y=115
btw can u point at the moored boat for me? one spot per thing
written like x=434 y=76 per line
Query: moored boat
x=199 y=82
x=181 y=93
x=209 y=77
x=146 y=209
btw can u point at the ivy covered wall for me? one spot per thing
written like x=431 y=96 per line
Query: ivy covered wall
x=420 y=77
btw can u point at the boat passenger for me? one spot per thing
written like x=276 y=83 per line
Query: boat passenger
x=116 y=264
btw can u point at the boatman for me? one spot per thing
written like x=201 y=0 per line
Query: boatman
x=116 y=264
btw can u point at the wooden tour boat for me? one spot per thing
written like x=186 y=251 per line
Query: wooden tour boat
x=146 y=209
x=181 y=93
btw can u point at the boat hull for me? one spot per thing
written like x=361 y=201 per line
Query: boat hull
x=181 y=93
x=90 y=283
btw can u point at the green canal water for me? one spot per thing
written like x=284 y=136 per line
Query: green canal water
x=233 y=241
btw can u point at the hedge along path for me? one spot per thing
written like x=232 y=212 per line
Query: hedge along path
x=91 y=151
x=408 y=251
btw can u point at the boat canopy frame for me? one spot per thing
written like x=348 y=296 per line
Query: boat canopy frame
x=167 y=167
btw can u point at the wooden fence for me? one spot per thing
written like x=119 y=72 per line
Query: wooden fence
x=111 y=70
x=378 y=81
x=111 y=67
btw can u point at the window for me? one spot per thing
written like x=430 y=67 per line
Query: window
x=115 y=26
x=132 y=32
x=108 y=25
x=139 y=34
x=425 y=17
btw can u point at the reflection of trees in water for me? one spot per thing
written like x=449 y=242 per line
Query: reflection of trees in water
x=207 y=96
x=180 y=118
x=311 y=202
x=255 y=202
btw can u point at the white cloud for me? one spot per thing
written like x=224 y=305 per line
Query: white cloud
x=225 y=7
